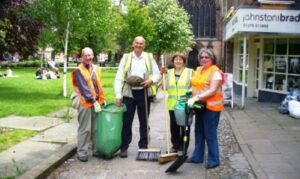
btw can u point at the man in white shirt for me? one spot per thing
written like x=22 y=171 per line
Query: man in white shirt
x=141 y=64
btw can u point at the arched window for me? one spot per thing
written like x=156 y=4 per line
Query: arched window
x=202 y=17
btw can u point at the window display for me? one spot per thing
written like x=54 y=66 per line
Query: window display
x=293 y=82
x=294 y=65
x=268 y=80
x=268 y=63
x=279 y=81
x=280 y=64
x=281 y=71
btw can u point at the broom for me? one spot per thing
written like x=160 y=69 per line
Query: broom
x=150 y=154
x=164 y=158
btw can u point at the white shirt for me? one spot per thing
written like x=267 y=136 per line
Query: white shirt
x=139 y=68
x=217 y=76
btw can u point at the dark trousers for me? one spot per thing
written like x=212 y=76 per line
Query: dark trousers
x=176 y=132
x=138 y=101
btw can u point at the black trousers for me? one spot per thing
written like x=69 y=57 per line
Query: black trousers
x=137 y=102
x=176 y=132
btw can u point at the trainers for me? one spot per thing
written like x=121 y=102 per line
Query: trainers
x=84 y=158
x=123 y=154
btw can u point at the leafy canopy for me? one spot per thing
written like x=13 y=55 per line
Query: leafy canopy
x=90 y=23
x=172 y=28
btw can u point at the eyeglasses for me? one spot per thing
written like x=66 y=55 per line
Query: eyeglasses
x=206 y=57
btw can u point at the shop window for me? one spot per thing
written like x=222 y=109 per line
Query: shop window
x=268 y=80
x=238 y=67
x=293 y=82
x=268 y=63
x=280 y=64
x=281 y=46
x=294 y=46
x=269 y=46
x=281 y=69
x=294 y=65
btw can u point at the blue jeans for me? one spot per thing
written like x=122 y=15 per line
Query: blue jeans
x=206 y=125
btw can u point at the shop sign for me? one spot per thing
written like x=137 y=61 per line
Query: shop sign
x=264 y=21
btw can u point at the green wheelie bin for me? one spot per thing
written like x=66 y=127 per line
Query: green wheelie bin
x=109 y=130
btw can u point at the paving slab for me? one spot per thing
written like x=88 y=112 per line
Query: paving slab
x=38 y=123
x=24 y=156
x=62 y=133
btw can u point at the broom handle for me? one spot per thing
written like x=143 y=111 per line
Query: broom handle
x=146 y=110
x=165 y=105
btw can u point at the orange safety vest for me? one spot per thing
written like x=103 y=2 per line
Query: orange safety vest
x=201 y=82
x=87 y=76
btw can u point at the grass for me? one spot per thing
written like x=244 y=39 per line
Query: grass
x=27 y=96
x=9 y=137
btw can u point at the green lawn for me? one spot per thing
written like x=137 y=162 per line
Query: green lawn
x=27 y=96
x=9 y=137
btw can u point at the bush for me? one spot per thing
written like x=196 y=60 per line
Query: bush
x=28 y=63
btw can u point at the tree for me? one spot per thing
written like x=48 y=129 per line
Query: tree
x=82 y=23
x=17 y=34
x=136 y=22
x=172 y=29
x=89 y=20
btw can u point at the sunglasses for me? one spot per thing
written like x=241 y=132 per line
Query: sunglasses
x=206 y=57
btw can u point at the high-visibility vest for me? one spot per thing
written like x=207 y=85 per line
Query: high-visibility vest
x=87 y=76
x=148 y=60
x=202 y=81
x=175 y=91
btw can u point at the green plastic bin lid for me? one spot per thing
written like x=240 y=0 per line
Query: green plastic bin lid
x=113 y=108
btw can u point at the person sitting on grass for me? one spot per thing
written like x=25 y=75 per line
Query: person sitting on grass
x=9 y=73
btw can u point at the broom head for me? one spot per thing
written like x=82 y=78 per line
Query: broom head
x=165 y=158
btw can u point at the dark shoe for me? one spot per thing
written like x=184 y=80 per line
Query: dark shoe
x=83 y=158
x=123 y=154
x=211 y=166
x=189 y=160
x=97 y=155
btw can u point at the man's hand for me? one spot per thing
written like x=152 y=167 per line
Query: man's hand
x=147 y=83
x=162 y=70
x=97 y=107
x=118 y=102
x=192 y=101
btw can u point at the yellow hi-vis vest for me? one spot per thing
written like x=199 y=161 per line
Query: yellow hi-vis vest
x=128 y=60
x=87 y=76
x=175 y=91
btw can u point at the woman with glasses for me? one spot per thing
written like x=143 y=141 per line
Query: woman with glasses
x=207 y=89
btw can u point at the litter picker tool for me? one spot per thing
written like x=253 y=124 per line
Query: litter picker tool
x=164 y=158
x=182 y=158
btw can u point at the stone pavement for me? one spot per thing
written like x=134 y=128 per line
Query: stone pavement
x=256 y=142
x=234 y=164
x=56 y=139
x=269 y=140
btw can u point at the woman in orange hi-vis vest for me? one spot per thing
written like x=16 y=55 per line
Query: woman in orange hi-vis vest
x=207 y=88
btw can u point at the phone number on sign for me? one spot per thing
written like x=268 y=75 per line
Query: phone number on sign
x=256 y=25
